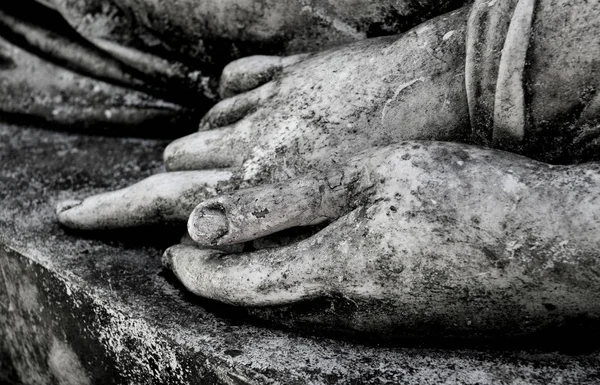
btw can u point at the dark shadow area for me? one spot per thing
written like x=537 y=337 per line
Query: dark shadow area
x=575 y=336
x=168 y=126
x=50 y=27
x=156 y=236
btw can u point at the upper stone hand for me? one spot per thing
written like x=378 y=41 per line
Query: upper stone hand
x=305 y=114
x=285 y=116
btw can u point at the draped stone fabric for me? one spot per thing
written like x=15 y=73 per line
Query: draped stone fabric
x=532 y=77
x=497 y=41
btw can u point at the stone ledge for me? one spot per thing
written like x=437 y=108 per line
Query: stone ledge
x=80 y=309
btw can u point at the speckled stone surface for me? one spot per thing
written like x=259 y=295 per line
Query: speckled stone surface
x=83 y=309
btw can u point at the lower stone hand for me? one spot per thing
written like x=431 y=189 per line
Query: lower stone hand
x=422 y=238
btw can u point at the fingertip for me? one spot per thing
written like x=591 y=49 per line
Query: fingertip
x=174 y=155
x=235 y=108
x=167 y=258
x=66 y=212
x=192 y=268
x=84 y=214
x=248 y=73
x=207 y=224
x=181 y=256
x=178 y=256
x=187 y=259
x=213 y=149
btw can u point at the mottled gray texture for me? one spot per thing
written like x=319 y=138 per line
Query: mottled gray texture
x=105 y=308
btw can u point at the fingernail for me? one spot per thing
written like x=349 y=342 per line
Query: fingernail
x=67 y=205
x=207 y=225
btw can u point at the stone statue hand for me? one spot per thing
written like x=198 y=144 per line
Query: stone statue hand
x=422 y=238
x=300 y=114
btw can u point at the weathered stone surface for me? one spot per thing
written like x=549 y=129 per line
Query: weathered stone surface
x=81 y=309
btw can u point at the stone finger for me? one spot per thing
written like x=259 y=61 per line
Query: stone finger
x=256 y=212
x=231 y=110
x=161 y=198
x=263 y=278
x=218 y=148
x=248 y=73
